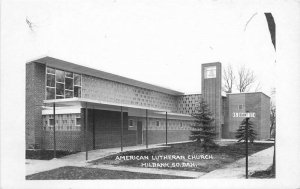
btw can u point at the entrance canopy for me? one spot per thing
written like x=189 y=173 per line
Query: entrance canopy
x=74 y=104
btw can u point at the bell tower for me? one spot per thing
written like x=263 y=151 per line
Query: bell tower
x=211 y=89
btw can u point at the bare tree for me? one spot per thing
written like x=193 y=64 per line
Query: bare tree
x=273 y=113
x=228 y=77
x=245 y=79
x=273 y=127
x=272 y=119
x=258 y=87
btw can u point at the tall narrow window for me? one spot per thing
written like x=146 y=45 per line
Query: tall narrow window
x=157 y=123
x=130 y=123
x=77 y=85
x=78 y=121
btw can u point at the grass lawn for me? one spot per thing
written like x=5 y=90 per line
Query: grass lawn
x=222 y=155
x=45 y=154
x=81 y=173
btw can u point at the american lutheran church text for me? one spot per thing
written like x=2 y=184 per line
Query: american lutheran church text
x=84 y=107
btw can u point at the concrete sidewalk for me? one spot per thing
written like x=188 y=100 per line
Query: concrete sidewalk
x=257 y=162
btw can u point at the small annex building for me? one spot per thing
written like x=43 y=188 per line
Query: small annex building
x=83 y=107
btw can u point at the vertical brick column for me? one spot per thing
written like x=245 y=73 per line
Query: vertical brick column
x=211 y=93
x=35 y=94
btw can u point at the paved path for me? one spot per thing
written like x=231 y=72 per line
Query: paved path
x=257 y=162
x=36 y=166
x=78 y=159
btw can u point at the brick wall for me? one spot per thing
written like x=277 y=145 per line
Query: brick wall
x=265 y=117
x=68 y=134
x=178 y=130
x=252 y=102
x=211 y=92
x=65 y=140
x=35 y=94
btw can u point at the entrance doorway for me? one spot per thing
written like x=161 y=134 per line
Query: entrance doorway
x=139 y=132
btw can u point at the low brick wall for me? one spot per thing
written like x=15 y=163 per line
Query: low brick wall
x=65 y=140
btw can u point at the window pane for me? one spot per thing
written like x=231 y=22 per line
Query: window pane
x=51 y=121
x=69 y=83
x=69 y=94
x=50 y=70
x=59 y=97
x=69 y=74
x=59 y=89
x=50 y=80
x=77 y=91
x=77 y=79
x=78 y=121
x=60 y=76
x=50 y=93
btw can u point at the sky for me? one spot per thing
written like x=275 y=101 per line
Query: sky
x=159 y=42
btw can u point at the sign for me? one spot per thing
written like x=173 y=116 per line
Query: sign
x=243 y=114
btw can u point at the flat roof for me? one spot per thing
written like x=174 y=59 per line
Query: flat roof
x=68 y=66
x=82 y=102
x=246 y=93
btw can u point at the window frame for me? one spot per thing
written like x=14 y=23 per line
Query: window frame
x=49 y=122
x=242 y=106
x=130 y=121
x=65 y=75
x=76 y=123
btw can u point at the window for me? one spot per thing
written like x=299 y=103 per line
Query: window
x=51 y=121
x=241 y=106
x=77 y=121
x=69 y=94
x=69 y=74
x=157 y=123
x=50 y=80
x=59 y=89
x=130 y=123
x=77 y=79
x=210 y=72
x=77 y=91
x=50 y=70
x=50 y=93
x=62 y=84
x=69 y=83
x=60 y=76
